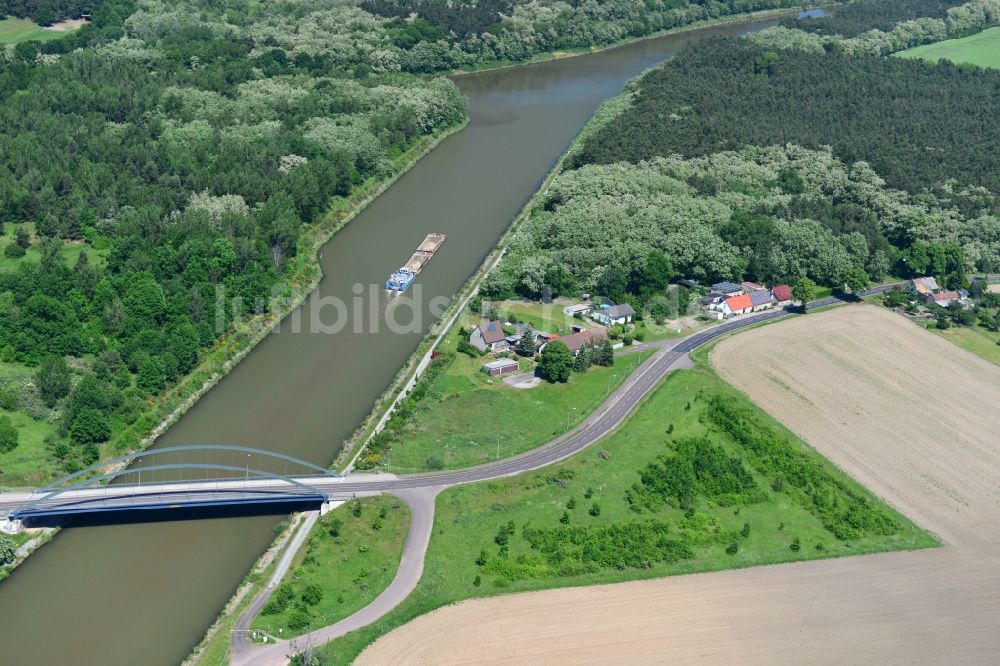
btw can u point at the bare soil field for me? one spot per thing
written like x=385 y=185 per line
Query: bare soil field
x=913 y=417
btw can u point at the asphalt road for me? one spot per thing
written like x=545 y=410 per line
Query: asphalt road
x=668 y=355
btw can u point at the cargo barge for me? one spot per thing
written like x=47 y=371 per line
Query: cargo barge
x=404 y=277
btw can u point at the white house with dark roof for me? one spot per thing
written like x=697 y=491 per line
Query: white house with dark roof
x=615 y=314
x=489 y=335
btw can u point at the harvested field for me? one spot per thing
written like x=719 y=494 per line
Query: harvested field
x=905 y=412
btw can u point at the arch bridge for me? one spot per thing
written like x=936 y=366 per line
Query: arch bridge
x=176 y=477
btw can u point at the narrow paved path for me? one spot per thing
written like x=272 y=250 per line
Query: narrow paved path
x=411 y=568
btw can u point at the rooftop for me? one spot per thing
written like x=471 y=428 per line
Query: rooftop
x=741 y=302
x=492 y=332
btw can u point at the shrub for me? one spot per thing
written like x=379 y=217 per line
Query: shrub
x=434 y=463
x=8 y=551
x=595 y=510
x=14 y=251
x=9 y=437
x=564 y=518
x=477 y=581
x=334 y=527
x=796 y=545
x=571 y=504
x=732 y=548
x=10 y=398
x=298 y=619
x=312 y=594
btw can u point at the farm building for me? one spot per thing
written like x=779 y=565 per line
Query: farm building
x=578 y=309
x=489 y=336
x=925 y=286
x=503 y=366
x=782 y=294
x=761 y=299
x=730 y=289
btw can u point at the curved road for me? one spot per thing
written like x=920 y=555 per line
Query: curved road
x=419 y=490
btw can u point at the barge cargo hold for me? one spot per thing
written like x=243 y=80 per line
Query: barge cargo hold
x=404 y=277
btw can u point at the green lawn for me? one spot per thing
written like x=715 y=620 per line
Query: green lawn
x=468 y=517
x=351 y=568
x=546 y=317
x=71 y=250
x=981 y=49
x=469 y=418
x=14 y=30
x=974 y=339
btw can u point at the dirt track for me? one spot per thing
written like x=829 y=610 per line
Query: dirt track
x=911 y=416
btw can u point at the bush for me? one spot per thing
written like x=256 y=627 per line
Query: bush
x=796 y=545
x=14 y=251
x=595 y=510
x=9 y=437
x=10 y=398
x=434 y=463
x=312 y=594
x=732 y=548
x=298 y=619
x=8 y=550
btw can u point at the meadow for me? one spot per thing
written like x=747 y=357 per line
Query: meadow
x=982 y=49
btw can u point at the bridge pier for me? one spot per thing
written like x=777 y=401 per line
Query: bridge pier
x=11 y=526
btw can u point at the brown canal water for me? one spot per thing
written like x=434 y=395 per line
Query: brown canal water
x=132 y=594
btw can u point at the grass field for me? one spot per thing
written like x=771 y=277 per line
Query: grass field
x=71 y=251
x=22 y=467
x=468 y=517
x=14 y=30
x=469 y=418
x=975 y=339
x=981 y=49
x=351 y=567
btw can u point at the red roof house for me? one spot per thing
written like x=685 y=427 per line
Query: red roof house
x=782 y=293
x=739 y=304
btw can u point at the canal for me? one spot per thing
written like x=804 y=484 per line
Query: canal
x=145 y=593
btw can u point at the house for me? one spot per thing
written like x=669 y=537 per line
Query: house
x=924 y=286
x=503 y=366
x=577 y=341
x=712 y=298
x=578 y=309
x=761 y=299
x=736 y=305
x=946 y=298
x=728 y=288
x=782 y=294
x=752 y=286
x=615 y=314
x=489 y=336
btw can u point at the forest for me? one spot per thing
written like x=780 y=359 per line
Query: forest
x=186 y=165
x=724 y=94
x=733 y=161
x=854 y=18
x=845 y=35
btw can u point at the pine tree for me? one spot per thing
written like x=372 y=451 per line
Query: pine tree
x=526 y=345
x=605 y=355
x=582 y=361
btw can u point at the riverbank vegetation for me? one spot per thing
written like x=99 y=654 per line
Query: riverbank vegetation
x=671 y=492
x=349 y=558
